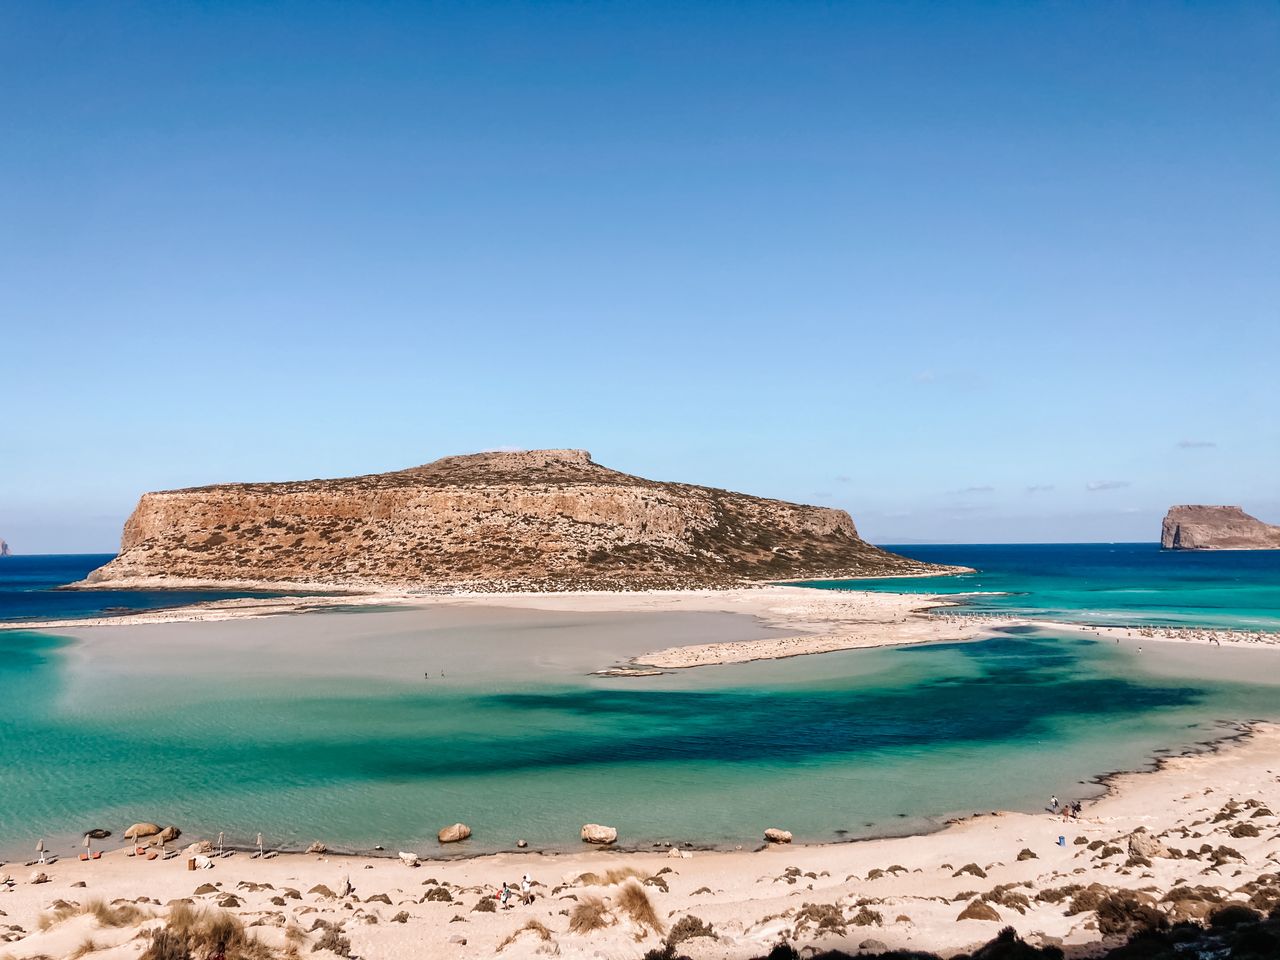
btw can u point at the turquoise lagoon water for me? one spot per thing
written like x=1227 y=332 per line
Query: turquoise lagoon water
x=323 y=727
x=1115 y=583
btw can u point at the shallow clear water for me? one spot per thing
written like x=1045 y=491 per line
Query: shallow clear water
x=1102 y=583
x=323 y=726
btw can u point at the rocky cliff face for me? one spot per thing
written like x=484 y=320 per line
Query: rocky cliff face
x=1192 y=527
x=544 y=519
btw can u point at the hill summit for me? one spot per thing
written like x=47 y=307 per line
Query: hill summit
x=539 y=519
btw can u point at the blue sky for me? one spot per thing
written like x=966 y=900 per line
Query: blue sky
x=976 y=272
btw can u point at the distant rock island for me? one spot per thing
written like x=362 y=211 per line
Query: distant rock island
x=541 y=519
x=4 y=549
x=1195 y=527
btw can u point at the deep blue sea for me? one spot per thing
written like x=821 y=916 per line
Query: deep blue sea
x=28 y=590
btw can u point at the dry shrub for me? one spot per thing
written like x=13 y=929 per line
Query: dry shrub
x=688 y=927
x=1122 y=913
x=589 y=914
x=118 y=915
x=532 y=926
x=825 y=917
x=188 y=932
x=88 y=945
x=635 y=903
x=335 y=941
x=612 y=876
x=866 y=917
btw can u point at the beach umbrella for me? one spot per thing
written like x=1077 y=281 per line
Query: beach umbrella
x=88 y=845
x=219 y=843
x=259 y=844
x=40 y=849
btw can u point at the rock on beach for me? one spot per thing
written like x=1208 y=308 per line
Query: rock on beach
x=598 y=833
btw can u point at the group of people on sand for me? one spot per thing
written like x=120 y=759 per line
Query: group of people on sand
x=509 y=892
x=1069 y=811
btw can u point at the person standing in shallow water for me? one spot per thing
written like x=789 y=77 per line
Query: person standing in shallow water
x=1053 y=802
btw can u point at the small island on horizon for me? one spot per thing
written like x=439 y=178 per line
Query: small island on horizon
x=1201 y=527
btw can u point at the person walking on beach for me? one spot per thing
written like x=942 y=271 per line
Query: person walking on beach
x=1053 y=802
x=506 y=896
x=526 y=890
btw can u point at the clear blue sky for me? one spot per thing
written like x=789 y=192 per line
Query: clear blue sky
x=1002 y=271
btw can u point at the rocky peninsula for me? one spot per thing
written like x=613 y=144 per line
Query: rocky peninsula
x=1198 y=527
x=4 y=549
x=540 y=520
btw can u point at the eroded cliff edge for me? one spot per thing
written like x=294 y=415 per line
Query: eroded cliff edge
x=542 y=519
x=1199 y=527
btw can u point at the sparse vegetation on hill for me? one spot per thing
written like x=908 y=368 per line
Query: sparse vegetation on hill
x=545 y=519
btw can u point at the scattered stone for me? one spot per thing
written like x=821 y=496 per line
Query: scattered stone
x=460 y=941
x=1143 y=844
x=522 y=844
x=38 y=877
x=378 y=898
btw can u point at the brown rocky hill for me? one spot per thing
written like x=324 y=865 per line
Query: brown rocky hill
x=542 y=519
x=1197 y=527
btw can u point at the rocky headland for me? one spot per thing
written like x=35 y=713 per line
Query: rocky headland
x=1197 y=527
x=541 y=520
x=4 y=549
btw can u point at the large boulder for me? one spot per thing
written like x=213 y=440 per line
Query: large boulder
x=776 y=835
x=140 y=830
x=1143 y=844
x=317 y=847
x=168 y=834
x=97 y=833
x=597 y=833
x=201 y=848
x=39 y=876
x=454 y=833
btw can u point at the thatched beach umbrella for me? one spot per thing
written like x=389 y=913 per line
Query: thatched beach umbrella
x=259 y=844
x=40 y=849
x=220 y=838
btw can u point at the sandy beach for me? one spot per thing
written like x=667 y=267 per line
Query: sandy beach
x=1196 y=831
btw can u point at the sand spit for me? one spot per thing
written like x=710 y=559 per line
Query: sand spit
x=1195 y=832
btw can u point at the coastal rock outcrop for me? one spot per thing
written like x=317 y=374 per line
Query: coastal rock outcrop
x=1199 y=527
x=777 y=835
x=4 y=549
x=599 y=834
x=542 y=519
